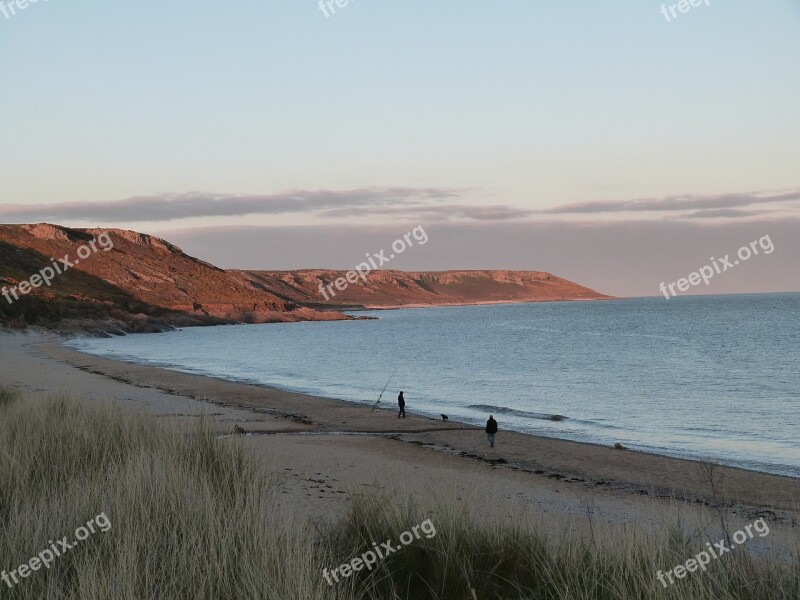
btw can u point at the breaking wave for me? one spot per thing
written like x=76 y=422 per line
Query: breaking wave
x=505 y=410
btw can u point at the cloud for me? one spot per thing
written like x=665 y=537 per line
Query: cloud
x=170 y=207
x=440 y=212
x=725 y=213
x=677 y=203
x=434 y=204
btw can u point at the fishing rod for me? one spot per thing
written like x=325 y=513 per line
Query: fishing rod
x=374 y=408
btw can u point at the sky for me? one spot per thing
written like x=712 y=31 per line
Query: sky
x=605 y=142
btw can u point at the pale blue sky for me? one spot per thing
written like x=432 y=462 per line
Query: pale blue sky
x=545 y=102
x=527 y=104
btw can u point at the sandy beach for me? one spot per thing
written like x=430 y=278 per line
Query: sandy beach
x=326 y=451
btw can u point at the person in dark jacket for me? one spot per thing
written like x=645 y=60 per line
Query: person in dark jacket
x=491 y=430
x=401 y=402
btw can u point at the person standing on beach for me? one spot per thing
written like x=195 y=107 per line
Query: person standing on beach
x=401 y=402
x=491 y=430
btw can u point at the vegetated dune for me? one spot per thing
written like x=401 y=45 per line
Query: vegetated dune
x=386 y=289
x=140 y=282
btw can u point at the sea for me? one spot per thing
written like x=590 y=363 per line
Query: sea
x=705 y=377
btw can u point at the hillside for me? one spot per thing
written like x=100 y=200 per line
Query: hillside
x=142 y=283
x=391 y=289
x=117 y=281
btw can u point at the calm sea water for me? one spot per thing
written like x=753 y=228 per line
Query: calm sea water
x=699 y=377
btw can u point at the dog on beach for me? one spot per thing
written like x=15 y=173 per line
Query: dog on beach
x=444 y=418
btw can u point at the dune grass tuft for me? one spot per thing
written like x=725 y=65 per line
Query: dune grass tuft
x=7 y=396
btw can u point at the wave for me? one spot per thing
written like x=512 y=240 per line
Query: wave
x=505 y=410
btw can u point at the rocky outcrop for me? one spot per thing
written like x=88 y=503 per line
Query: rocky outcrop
x=147 y=241
x=45 y=231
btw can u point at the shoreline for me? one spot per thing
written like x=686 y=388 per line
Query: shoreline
x=364 y=308
x=329 y=451
x=421 y=414
x=316 y=396
x=452 y=424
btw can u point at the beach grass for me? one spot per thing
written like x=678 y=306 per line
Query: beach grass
x=193 y=516
x=472 y=558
